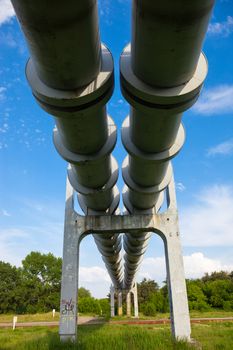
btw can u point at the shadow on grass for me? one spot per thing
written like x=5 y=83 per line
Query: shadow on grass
x=97 y=337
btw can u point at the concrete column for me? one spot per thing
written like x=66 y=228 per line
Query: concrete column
x=128 y=304
x=135 y=299
x=70 y=270
x=112 y=301
x=119 y=303
x=180 y=321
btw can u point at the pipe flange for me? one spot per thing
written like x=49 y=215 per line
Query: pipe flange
x=106 y=241
x=144 y=197
x=142 y=189
x=133 y=251
x=79 y=159
x=151 y=157
x=110 y=252
x=139 y=237
x=132 y=210
x=137 y=241
x=96 y=198
x=88 y=191
x=173 y=97
x=109 y=211
x=77 y=98
x=114 y=259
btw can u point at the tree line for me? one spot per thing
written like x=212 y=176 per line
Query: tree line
x=212 y=291
x=35 y=287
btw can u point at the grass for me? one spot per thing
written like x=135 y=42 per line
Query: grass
x=31 y=317
x=211 y=314
x=48 y=316
x=212 y=336
x=193 y=314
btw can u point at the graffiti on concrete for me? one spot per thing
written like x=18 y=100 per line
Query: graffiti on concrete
x=67 y=307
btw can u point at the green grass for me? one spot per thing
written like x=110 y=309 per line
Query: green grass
x=212 y=336
x=48 y=316
x=31 y=317
x=212 y=313
x=193 y=314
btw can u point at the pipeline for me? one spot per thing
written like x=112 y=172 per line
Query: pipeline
x=71 y=76
x=162 y=73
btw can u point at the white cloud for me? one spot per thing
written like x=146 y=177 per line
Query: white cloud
x=7 y=11
x=4 y=212
x=36 y=225
x=221 y=28
x=208 y=220
x=13 y=39
x=96 y=279
x=224 y=148
x=195 y=265
x=106 y=9
x=215 y=100
x=94 y=274
x=180 y=186
x=13 y=243
x=2 y=93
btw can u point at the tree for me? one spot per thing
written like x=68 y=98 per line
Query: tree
x=83 y=293
x=159 y=300
x=11 y=296
x=46 y=268
x=41 y=281
x=145 y=288
x=149 y=309
x=105 y=307
x=220 y=293
x=89 y=305
x=196 y=297
x=221 y=275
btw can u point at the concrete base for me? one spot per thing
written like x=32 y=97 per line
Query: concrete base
x=128 y=304
x=112 y=301
x=164 y=224
x=135 y=299
x=119 y=309
x=133 y=291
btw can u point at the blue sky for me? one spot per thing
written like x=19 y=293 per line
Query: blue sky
x=32 y=175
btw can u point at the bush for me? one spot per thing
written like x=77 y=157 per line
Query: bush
x=149 y=309
x=196 y=298
x=89 y=305
x=228 y=305
x=105 y=307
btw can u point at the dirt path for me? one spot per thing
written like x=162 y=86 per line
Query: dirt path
x=81 y=320
x=87 y=320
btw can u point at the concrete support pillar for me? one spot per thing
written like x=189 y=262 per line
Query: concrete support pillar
x=135 y=299
x=70 y=270
x=165 y=224
x=179 y=311
x=112 y=300
x=120 y=303
x=128 y=304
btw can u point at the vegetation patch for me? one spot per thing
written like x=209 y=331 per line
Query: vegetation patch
x=118 y=337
